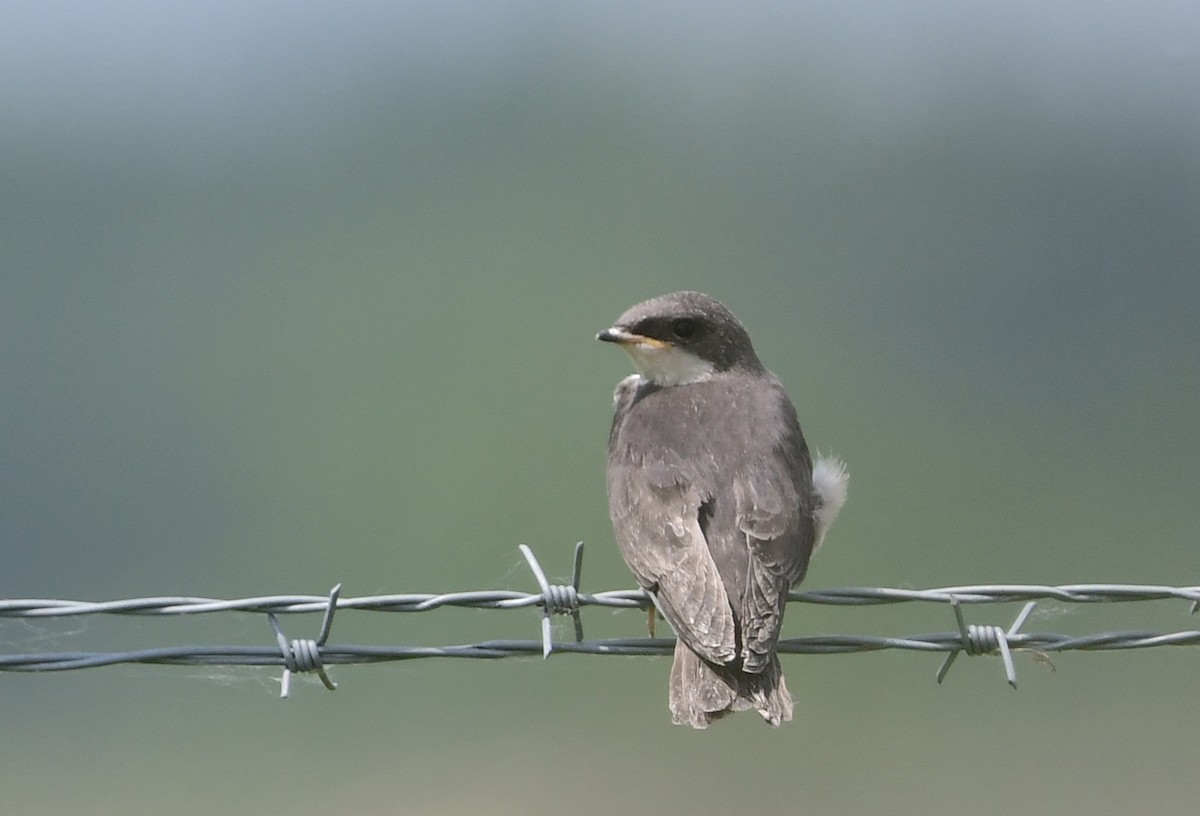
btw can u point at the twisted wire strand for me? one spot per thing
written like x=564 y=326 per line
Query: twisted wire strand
x=616 y=599
x=345 y=655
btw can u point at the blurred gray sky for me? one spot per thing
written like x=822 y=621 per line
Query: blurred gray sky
x=201 y=77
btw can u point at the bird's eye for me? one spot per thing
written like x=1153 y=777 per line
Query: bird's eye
x=684 y=328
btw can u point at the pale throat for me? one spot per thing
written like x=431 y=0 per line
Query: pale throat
x=667 y=365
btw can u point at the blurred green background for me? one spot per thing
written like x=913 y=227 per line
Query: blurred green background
x=293 y=294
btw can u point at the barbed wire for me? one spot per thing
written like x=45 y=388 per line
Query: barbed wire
x=315 y=655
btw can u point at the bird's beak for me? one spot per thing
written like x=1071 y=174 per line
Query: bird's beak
x=624 y=337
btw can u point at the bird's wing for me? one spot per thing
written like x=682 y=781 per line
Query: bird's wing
x=773 y=507
x=657 y=525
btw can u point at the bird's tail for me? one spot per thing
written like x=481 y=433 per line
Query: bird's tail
x=702 y=692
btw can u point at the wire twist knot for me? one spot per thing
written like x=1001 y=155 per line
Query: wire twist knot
x=983 y=640
x=302 y=656
x=560 y=599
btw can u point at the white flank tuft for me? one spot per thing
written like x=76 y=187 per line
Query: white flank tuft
x=830 y=480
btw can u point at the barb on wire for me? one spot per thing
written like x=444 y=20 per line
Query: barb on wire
x=316 y=655
x=557 y=599
x=986 y=640
x=305 y=655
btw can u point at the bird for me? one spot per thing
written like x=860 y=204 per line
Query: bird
x=716 y=503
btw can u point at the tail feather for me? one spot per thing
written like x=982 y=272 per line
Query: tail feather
x=701 y=692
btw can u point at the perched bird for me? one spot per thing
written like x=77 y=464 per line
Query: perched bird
x=715 y=502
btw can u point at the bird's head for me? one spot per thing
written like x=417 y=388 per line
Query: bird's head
x=681 y=338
